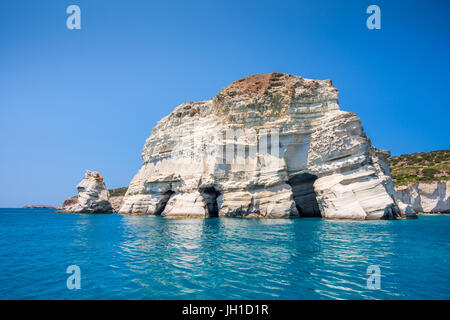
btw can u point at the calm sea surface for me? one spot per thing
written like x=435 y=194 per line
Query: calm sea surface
x=147 y=257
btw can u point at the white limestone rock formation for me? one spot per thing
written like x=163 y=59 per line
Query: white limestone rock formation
x=116 y=202
x=429 y=197
x=406 y=210
x=266 y=146
x=93 y=197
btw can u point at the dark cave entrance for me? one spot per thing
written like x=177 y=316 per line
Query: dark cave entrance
x=210 y=195
x=163 y=202
x=304 y=195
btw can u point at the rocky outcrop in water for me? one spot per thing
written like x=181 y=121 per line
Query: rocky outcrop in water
x=430 y=197
x=266 y=146
x=93 y=197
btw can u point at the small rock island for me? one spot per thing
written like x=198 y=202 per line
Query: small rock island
x=93 y=197
x=266 y=146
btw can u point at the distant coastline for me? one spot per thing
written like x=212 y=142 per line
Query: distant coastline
x=39 y=206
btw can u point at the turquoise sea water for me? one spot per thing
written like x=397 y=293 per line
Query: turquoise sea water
x=147 y=257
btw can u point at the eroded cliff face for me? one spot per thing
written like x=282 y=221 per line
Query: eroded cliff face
x=93 y=197
x=116 y=203
x=267 y=146
x=430 y=197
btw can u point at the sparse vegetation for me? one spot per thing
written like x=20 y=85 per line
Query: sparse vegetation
x=117 y=192
x=423 y=166
x=112 y=192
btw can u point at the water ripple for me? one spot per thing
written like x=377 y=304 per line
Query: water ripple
x=144 y=257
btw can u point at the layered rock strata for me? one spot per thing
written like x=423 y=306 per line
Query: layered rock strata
x=266 y=146
x=93 y=197
x=429 y=197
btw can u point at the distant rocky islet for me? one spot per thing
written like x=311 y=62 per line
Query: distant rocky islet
x=40 y=206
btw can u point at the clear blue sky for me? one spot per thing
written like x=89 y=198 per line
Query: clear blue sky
x=72 y=100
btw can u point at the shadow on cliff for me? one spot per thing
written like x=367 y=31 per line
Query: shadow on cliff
x=210 y=195
x=304 y=195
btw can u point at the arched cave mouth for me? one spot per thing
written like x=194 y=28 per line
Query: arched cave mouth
x=305 y=197
x=210 y=195
x=162 y=204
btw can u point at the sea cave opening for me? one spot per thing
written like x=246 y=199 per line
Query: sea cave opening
x=163 y=202
x=304 y=195
x=210 y=195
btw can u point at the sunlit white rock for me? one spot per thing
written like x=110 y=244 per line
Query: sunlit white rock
x=272 y=146
x=93 y=197
x=431 y=197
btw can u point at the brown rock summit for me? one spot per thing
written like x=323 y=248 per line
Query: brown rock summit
x=269 y=83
